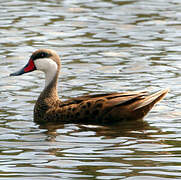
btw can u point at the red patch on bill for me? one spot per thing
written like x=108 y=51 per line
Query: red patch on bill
x=30 y=66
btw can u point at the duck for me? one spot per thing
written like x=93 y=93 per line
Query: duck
x=106 y=108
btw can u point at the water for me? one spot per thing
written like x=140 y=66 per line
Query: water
x=105 y=46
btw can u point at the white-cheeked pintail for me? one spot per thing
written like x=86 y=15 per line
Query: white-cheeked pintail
x=92 y=109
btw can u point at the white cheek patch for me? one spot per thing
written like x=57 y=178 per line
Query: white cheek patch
x=48 y=66
x=45 y=64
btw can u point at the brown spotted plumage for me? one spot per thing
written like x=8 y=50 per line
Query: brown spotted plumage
x=93 y=109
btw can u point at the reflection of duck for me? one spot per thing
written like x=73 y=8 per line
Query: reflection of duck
x=100 y=108
x=137 y=129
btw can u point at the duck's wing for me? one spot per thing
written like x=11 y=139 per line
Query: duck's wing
x=115 y=98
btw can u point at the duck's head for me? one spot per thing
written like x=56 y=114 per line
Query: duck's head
x=45 y=60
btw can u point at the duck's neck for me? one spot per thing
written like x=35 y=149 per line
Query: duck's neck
x=48 y=97
x=50 y=90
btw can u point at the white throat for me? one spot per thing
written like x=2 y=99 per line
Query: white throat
x=49 y=67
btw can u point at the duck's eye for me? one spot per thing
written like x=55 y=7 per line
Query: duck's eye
x=43 y=54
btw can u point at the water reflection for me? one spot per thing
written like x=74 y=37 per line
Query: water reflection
x=90 y=148
x=130 y=128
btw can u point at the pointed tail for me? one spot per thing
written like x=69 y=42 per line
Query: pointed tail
x=145 y=105
x=152 y=99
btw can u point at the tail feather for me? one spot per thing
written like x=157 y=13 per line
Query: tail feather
x=151 y=100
